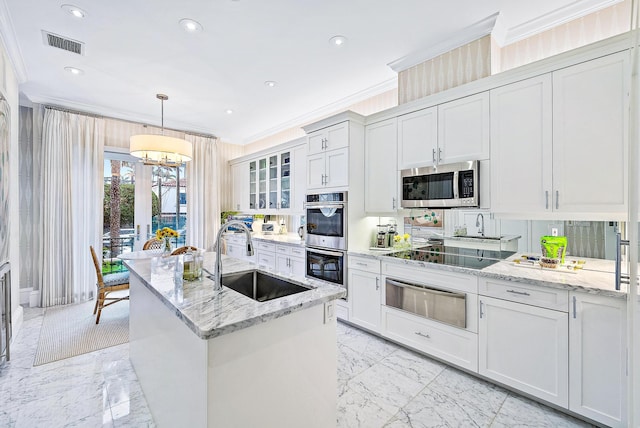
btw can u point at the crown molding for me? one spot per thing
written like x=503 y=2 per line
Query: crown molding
x=326 y=110
x=11 y=43
x=469 y=34
x=110 y=113
x=562 y=15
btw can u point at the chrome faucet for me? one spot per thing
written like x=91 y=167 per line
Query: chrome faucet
x=217 y=286
x=478 y=218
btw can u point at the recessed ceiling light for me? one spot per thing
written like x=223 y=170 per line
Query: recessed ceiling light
x=190 y=26
x=229 y=111
x=270 y=83
x=338 y=40
x=74 y=10
x=74 y=71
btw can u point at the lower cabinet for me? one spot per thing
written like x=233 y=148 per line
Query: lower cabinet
x=290 y=260
x=365 y=298
x=453 y=345
x=525 y=347
x=597 y=355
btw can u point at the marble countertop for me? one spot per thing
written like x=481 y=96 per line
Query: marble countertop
x=597 y=277
x=210 y=315
x=287 y=238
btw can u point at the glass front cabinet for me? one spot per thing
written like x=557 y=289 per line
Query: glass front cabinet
x=270 y=182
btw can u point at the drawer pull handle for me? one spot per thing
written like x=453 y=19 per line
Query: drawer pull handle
x=523 y=293
x=361 y=264
x=422 y=334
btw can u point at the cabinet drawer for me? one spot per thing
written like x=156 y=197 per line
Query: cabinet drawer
x=266 y=259
x=534 y=295
x=456 y=346
x=283 y=249
x=266 y=246
x=298 y=252
x=364 y=263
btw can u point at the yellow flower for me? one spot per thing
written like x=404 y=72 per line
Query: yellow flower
x=406 y=236
x=397 y=238
x=166 y=232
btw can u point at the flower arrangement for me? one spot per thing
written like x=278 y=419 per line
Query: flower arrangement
x=402 y=241
x=166 y=232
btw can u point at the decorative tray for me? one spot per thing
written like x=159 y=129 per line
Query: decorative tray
x=541 y=263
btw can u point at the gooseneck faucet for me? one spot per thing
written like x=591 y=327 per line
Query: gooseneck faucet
x=478 y=218
x=218 y=271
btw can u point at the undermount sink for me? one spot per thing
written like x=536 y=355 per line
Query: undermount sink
x=260 y=286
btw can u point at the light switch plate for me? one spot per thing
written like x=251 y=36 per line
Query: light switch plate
x=329 y=312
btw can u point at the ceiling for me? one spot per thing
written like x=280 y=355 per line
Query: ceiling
x=135 y=49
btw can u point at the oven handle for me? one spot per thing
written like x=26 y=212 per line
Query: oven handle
x=325 y=205
x=325 y=252
x=424 y=288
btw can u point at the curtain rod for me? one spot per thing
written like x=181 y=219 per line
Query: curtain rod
x=97 y=116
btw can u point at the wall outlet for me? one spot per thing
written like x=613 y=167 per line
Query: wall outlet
x=554 y=231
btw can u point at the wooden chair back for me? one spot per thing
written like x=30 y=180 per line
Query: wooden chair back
x=182 y=250
x=153 y=244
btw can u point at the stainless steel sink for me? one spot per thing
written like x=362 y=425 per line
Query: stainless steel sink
x=260 y=286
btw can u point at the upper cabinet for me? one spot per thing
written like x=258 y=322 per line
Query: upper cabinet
x=418 y=138
x=590 y=128
x=381 y=178
x=559 y=141
x=266 y=183
x=463 y=129
x=455 y=131
x=334 y=147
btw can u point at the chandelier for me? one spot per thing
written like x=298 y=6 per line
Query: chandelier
x=160 y=149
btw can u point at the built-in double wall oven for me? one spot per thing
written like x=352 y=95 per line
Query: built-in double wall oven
x=326 y=238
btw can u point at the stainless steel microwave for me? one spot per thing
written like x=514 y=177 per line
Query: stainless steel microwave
x=442 y=186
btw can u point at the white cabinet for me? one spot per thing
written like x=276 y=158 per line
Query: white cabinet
x=236 y=246
x=330 y=138
x=463 y=129
x=365 y=292
x=455 y=131
x=381 y=178
x=298 y=181
x=240 y=189
x=290 y=260
x=597 y=355
x=559 y=141
x=525 y=347
x=266 y=254
x=590 y=128
x=418 y=138
x=328 y=157
x=521 y=145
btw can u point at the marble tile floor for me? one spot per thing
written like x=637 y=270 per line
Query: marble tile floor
x=379 y=385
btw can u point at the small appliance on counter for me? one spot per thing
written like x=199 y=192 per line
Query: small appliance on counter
x=267 y=228
x=246 y=219
x=381 y=240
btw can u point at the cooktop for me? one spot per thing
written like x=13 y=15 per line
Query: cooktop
x=454 y=256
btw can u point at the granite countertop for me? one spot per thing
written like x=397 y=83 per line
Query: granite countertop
x=209 y=315
x=287 y=238
x=597 y=277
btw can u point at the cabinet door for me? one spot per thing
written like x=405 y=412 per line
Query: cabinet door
x=284 y=182
x=315 y=171
x=463 y=129
x=597 y=351
x=316 y=141
x=282 y=264
x=525 y=347
x=337 y=136
x=521 y=133
x=418 y=138
x=299 y=179
x=273 y=182
x=262 y=184
x=365 y=299
x=298 y=266
x=337 y=168
x=381 y=185
x=590 y=123
x=253 y=185
x=240 y=179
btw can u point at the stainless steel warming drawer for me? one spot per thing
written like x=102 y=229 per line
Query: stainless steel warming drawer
x=445 y=306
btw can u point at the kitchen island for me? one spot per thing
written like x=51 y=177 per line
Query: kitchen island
x=206 y=359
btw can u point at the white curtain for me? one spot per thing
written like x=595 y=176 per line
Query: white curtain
x=72 y=189
x=203 y=193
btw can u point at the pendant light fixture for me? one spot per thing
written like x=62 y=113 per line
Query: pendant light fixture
x=160 y=149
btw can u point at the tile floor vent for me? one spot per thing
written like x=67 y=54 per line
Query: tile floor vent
x=64 y=43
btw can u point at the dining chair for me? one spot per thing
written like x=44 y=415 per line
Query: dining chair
x=153 y=244
x=107 y=284
x=182 y=250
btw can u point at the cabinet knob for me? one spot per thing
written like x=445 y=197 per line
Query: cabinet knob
x=439 y=155
x=433 y=155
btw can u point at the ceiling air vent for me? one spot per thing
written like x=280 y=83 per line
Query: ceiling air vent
x=64 y=43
